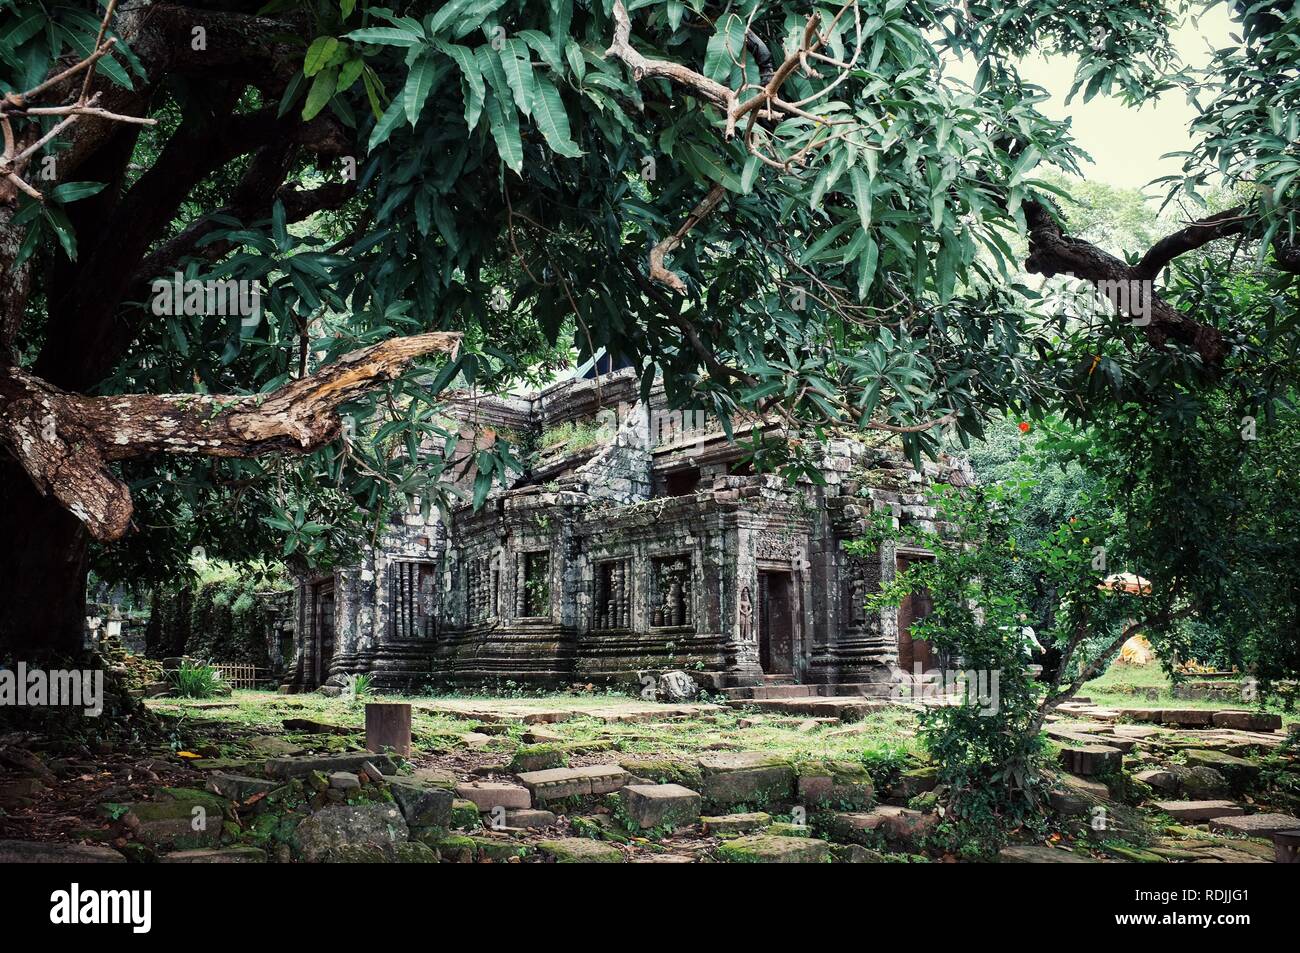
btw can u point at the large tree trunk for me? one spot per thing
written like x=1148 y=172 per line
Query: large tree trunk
x=43 y=563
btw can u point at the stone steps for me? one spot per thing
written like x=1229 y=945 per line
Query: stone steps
x=845 y=708
x=770 y=691
x=782 y=689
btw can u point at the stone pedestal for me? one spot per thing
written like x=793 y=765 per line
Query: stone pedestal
x=388 y=728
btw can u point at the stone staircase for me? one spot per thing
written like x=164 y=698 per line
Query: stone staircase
x=778 y=687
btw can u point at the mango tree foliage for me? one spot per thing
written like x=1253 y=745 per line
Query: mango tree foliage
x=788 y=207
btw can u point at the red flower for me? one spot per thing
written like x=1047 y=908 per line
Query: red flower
x=1024 y=426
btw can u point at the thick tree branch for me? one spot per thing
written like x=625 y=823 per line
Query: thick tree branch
x=1194 y=236
x=65 y=441
x=642 y=67
x=1052 y=252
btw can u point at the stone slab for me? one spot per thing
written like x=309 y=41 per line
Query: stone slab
x=1089 y=760
x=652 y=806
x=735 y=823
x=755 y=778
x=1188 y=717
x=1194 y=812
x=1255 y=825
x=773 y=849
x=35 y=852
x=558 y=783
x=1247 y=720
x=900 y=827
x=353 y=762
x=488 y=795
x=221 y=855
x=1031 y=854
x=580 y=850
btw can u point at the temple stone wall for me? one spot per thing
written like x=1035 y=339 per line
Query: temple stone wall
x=647 y=552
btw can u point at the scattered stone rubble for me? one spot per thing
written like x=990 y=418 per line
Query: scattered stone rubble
x=1168 y=787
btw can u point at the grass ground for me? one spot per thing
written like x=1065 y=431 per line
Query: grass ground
x=884 y=737
x=1131 y=686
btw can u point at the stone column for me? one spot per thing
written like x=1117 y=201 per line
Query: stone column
x=388 y=728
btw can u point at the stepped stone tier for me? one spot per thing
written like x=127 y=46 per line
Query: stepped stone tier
x=637 y=541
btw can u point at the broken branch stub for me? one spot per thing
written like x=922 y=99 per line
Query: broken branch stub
x=65 y=441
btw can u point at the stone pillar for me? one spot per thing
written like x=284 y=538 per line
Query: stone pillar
x=388 y=728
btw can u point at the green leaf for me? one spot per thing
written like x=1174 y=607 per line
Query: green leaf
x=518 y=65
x=318 y=54
x=72 y=191
x=707 y=165
x=58 y=220
x=551 y=118
x=577 y=62
x=861 y=194
x=504 y=123
x=322 y=88
x=386 y=36
x=387 y=123
x=867 y=267
x=279 y=226
x=545 y=47
x=419 y=81
x=473 y=77
x=349 y=72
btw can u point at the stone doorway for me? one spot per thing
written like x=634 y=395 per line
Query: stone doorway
x=776 y=622
x=914 y=655
x=323 y=626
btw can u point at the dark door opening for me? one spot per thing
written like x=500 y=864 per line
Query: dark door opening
x=776 y=623
x=324 y=626
x=914 y=654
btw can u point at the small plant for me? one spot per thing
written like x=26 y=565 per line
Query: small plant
x=357 y=688
x=196 y=681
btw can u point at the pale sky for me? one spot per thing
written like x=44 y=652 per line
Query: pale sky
x=1126 y=144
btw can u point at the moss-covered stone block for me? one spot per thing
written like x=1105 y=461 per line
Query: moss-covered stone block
x=538 y=758
x=465 y=815
x=771 y=849
x=600 y=827
x=500 y=851
x=580 y=850
x=457 y=849
x=752 y=778
x=178 y=824
x=658 y=807
x=730 y=825
x=783 y=829
x=664 y=771
x=834 y=785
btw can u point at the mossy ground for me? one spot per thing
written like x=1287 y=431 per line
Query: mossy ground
x=883 y=739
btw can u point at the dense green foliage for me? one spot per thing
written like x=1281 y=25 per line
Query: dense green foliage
x=225 y=616
x=861 y=268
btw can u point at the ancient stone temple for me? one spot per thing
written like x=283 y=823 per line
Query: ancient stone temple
x=636 y=541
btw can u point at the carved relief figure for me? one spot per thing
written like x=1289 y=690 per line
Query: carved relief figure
x=746 y=616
